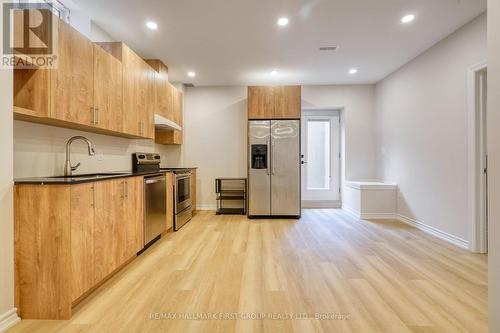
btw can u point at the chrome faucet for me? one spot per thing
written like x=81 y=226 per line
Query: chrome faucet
x=68 y=171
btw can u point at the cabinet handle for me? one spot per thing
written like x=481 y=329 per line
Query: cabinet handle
x=93 y=196
x=126 y=189
x=92 y=109
x=96 y=116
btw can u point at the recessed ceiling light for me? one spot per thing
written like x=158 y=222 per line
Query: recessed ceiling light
x=274 y=72
x=191 y=74
x=353 y=71
x=408 y=18
x=283 y=21
x=151 y=25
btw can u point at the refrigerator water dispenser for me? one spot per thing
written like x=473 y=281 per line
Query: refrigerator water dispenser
x=259 y=156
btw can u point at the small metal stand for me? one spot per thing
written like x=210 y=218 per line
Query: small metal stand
x=231 y=195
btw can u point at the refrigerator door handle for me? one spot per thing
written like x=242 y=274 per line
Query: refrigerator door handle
x=268 y=143
x=272 y=156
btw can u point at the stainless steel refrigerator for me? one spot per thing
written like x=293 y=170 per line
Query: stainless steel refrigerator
x=274 y=168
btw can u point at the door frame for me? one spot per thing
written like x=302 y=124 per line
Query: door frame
x=323 y=111
x=478 y=237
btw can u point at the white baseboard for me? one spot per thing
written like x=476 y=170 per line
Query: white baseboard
x=435 y=232
x=8 y=319
x=206 y=207
x=378 y=216
x=321 y=204
x=414 y=223
x=369 y=216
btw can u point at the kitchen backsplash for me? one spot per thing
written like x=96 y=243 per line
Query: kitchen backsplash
x=40 y=150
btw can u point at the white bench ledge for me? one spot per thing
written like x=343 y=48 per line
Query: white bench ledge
x=371 y=185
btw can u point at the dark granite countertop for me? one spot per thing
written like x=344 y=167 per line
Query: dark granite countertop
x=79 y=179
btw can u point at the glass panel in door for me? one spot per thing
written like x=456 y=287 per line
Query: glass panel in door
x=318 y=157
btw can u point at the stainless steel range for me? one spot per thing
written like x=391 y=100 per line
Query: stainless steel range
x=183 y=208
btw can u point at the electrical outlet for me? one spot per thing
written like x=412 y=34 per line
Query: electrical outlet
x=100 y=156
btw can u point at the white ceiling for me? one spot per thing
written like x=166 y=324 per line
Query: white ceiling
x=237 y=42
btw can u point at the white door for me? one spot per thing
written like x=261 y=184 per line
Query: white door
x=320 y=156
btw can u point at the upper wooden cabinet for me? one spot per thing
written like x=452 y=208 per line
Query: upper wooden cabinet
x=281 y=102
x=108 y=94
x=138 y=94
x=260 y=102
x=72 y=82
x=63 y=94
x=174 y=137
x=162 y=92
x=287 y=102
x=104 y=88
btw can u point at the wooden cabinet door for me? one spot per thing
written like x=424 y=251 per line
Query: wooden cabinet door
x=109 y=231
x=161 y=87
x=131 y=91
x=147 y=112
x=193 y=190
x=72 y=82
x=108 y=92
x=179 y=112
x=82 y=238
x=170 y=200
x=287 y=102
x=170 y=102
x=134 y=216
x=260 y=103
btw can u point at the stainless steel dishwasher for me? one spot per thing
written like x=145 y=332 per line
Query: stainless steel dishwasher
x=155 y=207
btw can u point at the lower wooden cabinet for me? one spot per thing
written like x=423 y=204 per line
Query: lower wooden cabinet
x=70 y=238
x=193 y=190
x=170 y=200
x=82 y=238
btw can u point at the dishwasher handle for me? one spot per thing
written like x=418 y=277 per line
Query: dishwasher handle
x=155 y=180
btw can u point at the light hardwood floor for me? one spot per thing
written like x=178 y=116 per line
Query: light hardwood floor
x=386 y=276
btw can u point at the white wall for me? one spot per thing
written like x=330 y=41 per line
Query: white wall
x=422 y=122
x=216 y=131
x=494 y=161
x=358 y=117
x=6 y=202
x=216 y=134
x=99 y=35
